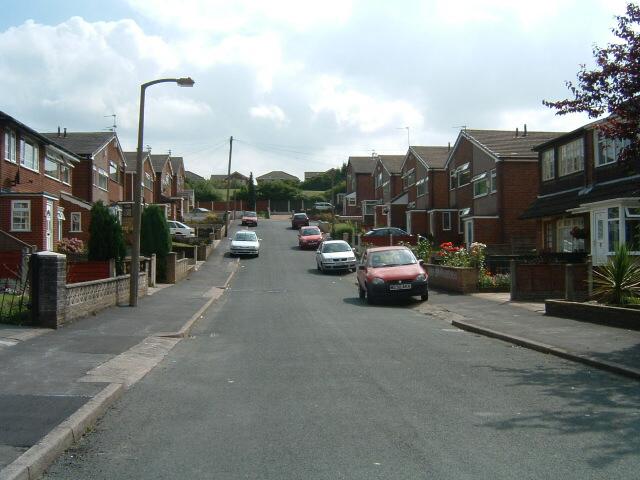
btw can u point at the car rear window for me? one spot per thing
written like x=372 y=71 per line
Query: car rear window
x=300 y=215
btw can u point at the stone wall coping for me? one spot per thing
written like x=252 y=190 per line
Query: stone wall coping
x=102 y=280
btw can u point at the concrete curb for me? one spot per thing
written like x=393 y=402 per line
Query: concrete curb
x=550 y=349
x=188 y=326
x=32 y=463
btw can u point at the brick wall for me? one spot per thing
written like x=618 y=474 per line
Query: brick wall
x=419 y=224
x=517 y=189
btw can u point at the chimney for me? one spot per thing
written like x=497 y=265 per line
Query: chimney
x=58 y=130
x=65 y=132
x=449 y=147
x=516 y=132
x=525 y=130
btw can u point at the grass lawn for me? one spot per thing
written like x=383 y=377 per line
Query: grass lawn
x=14 y=309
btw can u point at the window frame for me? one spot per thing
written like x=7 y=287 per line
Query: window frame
x=567 y=164
x=446 y=215
x=35 y=157
x=72 y=221
x=422 y=187
x=548 y=164
x=26 y=210
x=114 y=171
x=10 y=146
x=49 y=159
x=482 y=179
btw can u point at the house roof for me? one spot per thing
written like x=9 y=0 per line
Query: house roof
x=176 y=163
x=393 y=163
x=192 y=176
x=234 y=175
x=277 y=175
x=363 y=164
x=81 y=143
x=131 y=159
x=558 y=204
x=159 y=161
x=431 y=157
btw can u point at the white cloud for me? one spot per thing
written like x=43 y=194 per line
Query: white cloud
x=352 y=108
x=269 y=112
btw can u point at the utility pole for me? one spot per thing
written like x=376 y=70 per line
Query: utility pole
x=228 y=214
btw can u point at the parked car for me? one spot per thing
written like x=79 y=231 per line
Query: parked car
x=299 y=220
x=335 y=255
x=388 y=236
x=322 y=206
x=309 y=237
x=180 y=229
x=249 y=219
x=245 y=242
x=388 y=272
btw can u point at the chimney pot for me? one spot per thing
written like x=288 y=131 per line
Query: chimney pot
x=449 y=147
x=58 y=130
x=516 y=132
x=65 y=132
x=525 y=129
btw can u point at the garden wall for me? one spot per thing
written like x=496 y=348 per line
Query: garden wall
x=453 y=279
x=542 y=281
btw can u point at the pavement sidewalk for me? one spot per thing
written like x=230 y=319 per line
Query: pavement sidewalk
x=524 y=323
x=55 y=383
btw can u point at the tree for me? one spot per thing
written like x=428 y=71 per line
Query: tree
x=204 y=190
x=613 y=87
x=106 y=240
x=278 y=190
x=155 y=237
x=251 y=193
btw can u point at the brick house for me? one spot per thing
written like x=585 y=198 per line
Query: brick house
x=163 y=185
x=237 y=179
x=424 y=182
x=387 y=184
x=148 y=177
x=178 y=187
x=277 y=175
x=587 y=199
x=35 y=177
x=493 y=178
x=360 y=198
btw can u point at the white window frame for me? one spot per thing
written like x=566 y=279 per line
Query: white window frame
x=10 y=146
x=49 y=159
x=34 y=160
x=446 y=221
x=61 y=218
x=563 y=235
x=102 y=177
x=571 y=157
x=352 y=202
x=548 y=162
x=422 y=187
x=65 y=174
x=613 y=147
x=482 y=179
x=76 y=222
x=25 y=211
x=113 y=165
x=148 y=181
x=493 y=180
x=462 y=172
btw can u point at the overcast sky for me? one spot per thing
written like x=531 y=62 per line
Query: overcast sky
x=301 y=85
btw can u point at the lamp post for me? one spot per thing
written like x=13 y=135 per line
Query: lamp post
x=137 y=190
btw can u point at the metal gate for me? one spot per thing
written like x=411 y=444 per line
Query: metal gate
x=15 y=287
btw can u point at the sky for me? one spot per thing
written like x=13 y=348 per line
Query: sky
x=300 y=85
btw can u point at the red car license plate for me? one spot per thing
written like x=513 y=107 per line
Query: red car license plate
x=400 y=286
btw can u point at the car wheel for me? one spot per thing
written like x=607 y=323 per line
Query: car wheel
x=424 y=297
x=370 y=299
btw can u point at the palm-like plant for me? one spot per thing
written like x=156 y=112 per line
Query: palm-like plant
x=618 y=281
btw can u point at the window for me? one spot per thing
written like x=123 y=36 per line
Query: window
x=10 y=146
x=613 y=216
x=368 y=207
x=571 y=157
x=462 y=213
x=61 y=219
x=446 y=220
x=148 y=181
x=608 y=149
x=493 y=182
x=76 y=222
x=386 y=189
x=421 y=187
x=548 y=164
x=566 y=241
x=166 y=181
x=20 y=215
x=65 y=174
x=28 y=155
x=464 y=175
x=453 y=176
x=632 y=228
x=51 y=168
x=409 y=178
x=378 y=179
x=548 y=235
x=352 y=201
x=100 y=178
x=480 y=185
x=113 y=171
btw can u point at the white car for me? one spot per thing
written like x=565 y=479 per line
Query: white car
x=180 y=229
x=245 y=242
x=335 y=255
x=322 y=206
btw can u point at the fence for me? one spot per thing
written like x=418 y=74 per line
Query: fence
x=15 y=287
x=78 y=272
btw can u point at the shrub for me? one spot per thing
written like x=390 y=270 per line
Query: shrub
x=423 y=249
x=487 y=280
x=453 y=256
x=340 y=228
x=70 y=245
x=617 y=282
x=154 y=236
x=106 y=240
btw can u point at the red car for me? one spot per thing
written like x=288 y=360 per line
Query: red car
x=249 y=219
x=309 y=237
x=391 y=272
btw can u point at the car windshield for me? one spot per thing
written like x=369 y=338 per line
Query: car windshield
x=310 y=231
x=246 y=237
x=392 y=258
x=335 y=247
x=250 y=214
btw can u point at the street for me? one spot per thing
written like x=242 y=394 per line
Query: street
x=290 y=376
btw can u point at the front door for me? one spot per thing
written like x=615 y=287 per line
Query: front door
x=408 y=222
x=49 y=225
x=600 y=247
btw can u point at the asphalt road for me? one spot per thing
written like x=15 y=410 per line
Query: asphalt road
x=290 y=376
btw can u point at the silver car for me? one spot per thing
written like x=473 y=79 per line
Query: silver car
x=245 y=242
x=335 y=255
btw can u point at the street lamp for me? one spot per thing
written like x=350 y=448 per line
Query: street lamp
x=137 y=191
